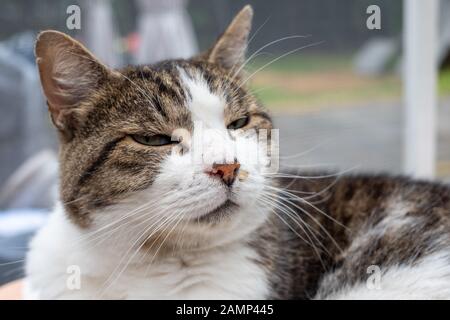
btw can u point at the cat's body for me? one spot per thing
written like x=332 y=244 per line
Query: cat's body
x=384 y=238
x=166 y=191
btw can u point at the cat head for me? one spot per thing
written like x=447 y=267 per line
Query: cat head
x=168 y=150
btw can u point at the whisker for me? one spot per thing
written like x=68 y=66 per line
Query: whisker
x=289 y=175
x=145 y=206
x=12 y=262
x=112 y=278
x=253 y=55
x=276 y=59
x=317 y=222
x=298 y=155
x=307 y=203
x=292 y=214
x=301 y=237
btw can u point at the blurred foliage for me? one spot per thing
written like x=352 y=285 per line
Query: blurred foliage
x=444 y=82
x=306 y=81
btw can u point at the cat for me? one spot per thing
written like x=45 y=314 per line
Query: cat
x=138 y=219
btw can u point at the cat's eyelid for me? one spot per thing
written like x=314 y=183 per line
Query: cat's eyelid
x=235 y=124
x=156 y=140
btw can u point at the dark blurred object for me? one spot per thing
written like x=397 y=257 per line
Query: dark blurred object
x=25 y=199
x=24 y=126
x=11 y=258
x=444 y=43
x=16 y=229
x=33 y=184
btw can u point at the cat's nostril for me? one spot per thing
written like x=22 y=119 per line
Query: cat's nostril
x=227 y=172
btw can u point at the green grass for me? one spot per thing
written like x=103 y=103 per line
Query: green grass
x=277 y=96
x=444 y=82
x=304 y=65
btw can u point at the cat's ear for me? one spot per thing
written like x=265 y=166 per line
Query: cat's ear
x=69 y=74
x=229 y=50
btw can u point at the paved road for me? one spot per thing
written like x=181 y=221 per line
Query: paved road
x=368 y=137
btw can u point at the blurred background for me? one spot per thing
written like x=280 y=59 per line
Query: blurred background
x=336 y=93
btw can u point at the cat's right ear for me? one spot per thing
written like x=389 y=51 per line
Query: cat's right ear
x=229 y=50
x=69 y=74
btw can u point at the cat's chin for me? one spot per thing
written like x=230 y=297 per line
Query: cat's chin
x=222 y=212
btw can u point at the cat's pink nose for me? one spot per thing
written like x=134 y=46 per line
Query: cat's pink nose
x=227 y=172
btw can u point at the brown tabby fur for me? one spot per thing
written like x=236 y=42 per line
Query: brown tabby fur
x=356 y=205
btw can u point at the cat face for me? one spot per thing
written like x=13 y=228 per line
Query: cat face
x=165 y=151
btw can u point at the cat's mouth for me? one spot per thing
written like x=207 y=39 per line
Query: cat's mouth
x=223 y=211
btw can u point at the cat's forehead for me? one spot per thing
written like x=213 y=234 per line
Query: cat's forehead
x=208 y=93
x=205 y=104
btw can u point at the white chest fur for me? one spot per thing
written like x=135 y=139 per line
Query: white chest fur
x=230 y=272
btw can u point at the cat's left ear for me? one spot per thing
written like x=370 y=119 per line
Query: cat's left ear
x=229 y=50
x=69 y=74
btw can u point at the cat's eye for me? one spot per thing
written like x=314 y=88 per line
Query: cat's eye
x=238 y=124
x=154 y=141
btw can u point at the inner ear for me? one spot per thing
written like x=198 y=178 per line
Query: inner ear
x=69 y=75
x=230 y=48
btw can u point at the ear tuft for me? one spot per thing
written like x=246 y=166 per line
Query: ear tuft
x=229 y=50
x=69 y=74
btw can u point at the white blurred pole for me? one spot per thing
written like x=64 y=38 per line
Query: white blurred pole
x=100 y=32
x=419 y=78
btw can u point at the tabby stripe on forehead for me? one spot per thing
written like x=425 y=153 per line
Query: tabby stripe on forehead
x=102 y=157
x=207 y=76
x=156 y=103
x=170 y=90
